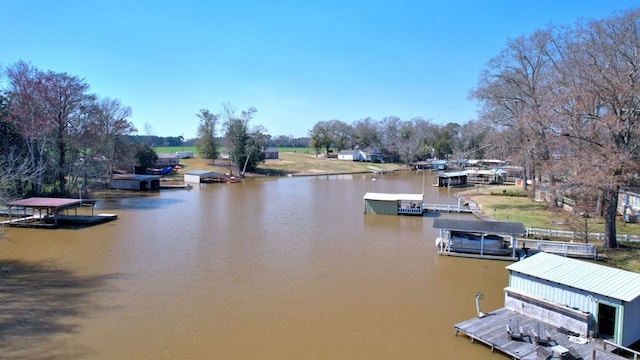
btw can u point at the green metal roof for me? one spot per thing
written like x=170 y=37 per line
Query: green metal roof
x=580 y=274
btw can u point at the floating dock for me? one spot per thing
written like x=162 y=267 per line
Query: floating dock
x=491 y=330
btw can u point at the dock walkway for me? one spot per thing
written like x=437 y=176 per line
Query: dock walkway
x=446 y=208
x=491 y=330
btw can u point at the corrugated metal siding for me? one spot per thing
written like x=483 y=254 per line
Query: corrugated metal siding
x=380 y=207
x=559 y=294
x=579 y=274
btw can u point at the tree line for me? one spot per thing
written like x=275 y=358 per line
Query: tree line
x=563 y=102
x=399 y=140
x=55 y=132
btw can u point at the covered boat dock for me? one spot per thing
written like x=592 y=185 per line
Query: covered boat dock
x=393 y=204
x=473 y=238
x=46 y=212
x=452 y=179
x=135 y=182
x=203 y=176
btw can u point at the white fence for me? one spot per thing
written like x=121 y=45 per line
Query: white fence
x=574 y=235
x=562 y=248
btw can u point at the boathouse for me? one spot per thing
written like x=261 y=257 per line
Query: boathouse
x=393 y=204
x=452 y=179
x=491 y=176
x=561 y=308
x=135 y=182
x=583 y=297
x=203 y=176
x=430 y=164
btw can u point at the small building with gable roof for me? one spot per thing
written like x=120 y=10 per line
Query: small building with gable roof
x=581 y=296
x=135 y=182
x=393 y=204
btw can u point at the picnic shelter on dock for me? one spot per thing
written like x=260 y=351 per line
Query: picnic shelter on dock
x=51 y=212
x=393 y=204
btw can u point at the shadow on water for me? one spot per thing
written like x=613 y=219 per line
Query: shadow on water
x=38 y=302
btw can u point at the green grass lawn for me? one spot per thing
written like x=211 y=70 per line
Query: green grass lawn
x=499 y=205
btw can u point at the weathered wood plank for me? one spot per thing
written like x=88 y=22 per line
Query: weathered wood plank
x=491 y=330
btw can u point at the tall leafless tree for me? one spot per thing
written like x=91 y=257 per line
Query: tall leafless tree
x=512 y=92
x=599 y=115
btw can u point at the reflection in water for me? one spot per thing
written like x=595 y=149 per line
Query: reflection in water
x=270 y=268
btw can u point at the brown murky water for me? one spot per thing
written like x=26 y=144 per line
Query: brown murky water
x=276 y=268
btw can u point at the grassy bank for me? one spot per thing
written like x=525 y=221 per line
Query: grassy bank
x=290 y=163
x=505 y=204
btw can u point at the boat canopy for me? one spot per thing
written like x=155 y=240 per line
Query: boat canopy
x=493 y=227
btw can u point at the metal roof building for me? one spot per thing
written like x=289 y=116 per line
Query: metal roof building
x=135 y=182
x=393 y=204
x=199 y=176
x=581 y=296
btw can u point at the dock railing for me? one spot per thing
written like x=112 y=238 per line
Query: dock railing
x=445 y=208
x=410 y=211
x=575 y=235
x=607 y=343
x=559 y=247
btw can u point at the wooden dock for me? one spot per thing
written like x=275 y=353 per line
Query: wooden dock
x=491 y=330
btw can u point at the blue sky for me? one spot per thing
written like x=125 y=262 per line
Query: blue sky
x=297 y=62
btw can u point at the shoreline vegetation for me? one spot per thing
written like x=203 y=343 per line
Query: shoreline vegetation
x=500 y=203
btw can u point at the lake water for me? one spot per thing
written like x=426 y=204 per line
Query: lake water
x=270 y=268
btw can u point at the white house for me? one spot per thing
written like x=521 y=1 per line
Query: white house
x=581 y=296
x=370 y=154
x=350 y=155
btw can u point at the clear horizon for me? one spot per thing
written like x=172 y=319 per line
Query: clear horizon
x=297 y=64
